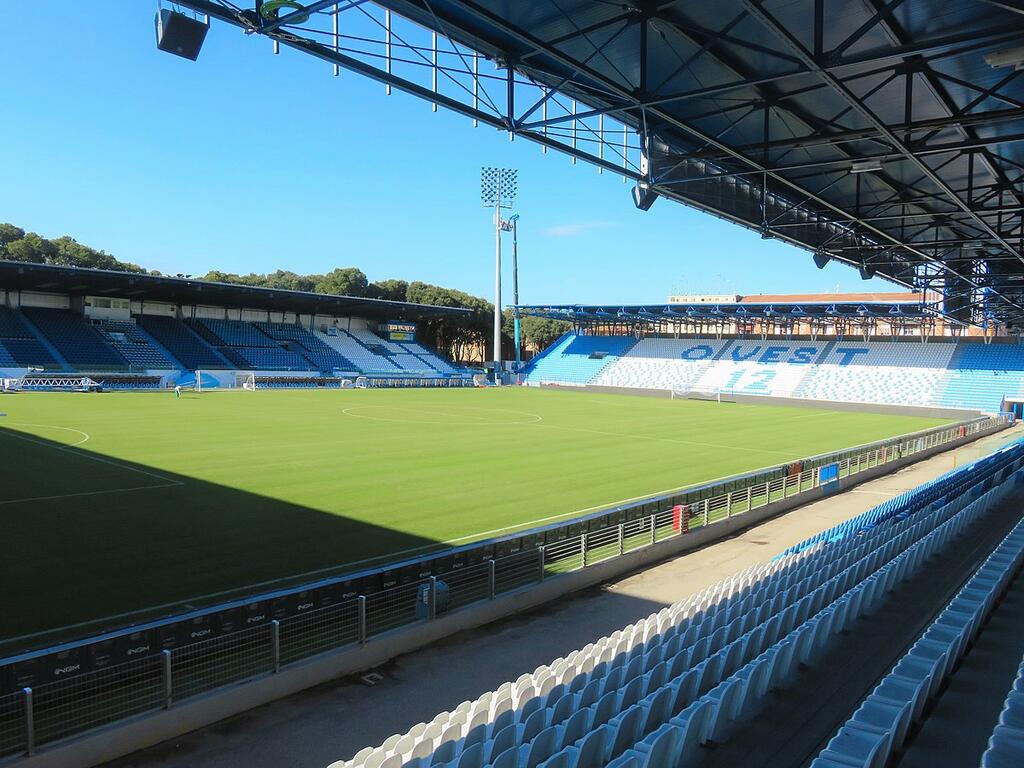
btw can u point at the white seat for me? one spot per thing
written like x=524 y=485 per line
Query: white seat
x=726 y=699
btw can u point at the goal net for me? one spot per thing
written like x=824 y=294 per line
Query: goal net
x=708 y=394
x=246 y=381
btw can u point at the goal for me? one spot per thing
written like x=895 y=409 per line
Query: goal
x=246 y=381
x=709 y=394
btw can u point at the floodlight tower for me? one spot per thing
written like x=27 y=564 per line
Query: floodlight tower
x=497 y=190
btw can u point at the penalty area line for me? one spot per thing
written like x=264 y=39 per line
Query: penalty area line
x=174 y=484
x=113 y=463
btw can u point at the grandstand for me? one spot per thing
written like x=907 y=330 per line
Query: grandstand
x=942 y=373
x=909 y=369
x=295 y=340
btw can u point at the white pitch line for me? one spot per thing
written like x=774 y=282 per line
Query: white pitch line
x=169 y=481
x=85 y=435
x=174 y=484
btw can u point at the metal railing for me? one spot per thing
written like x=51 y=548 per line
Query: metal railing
x=62 y=708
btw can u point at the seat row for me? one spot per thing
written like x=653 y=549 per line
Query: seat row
x=880 y=726
x=663 y=662
x=735 y=696
x=1006 y=746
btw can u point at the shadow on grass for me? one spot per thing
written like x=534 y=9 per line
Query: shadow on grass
x=93 y=543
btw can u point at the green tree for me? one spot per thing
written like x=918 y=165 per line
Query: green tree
x=542 y=332
x=392 y=290
x=31 y=248
x=8 y=234
x=344 y=281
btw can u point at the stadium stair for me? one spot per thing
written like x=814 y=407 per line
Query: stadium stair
x=135 y=345
x=248 y=347
x=80 y=345
x=981 y=375
x=24 y=346
x=183 y=343
x=353 y=349
x=656 y=363
x=323 y=357
x=580 y=359
x=655 y=693
x=801 y=390
x=885 y=721
x=536 y=359
x=1006 y=745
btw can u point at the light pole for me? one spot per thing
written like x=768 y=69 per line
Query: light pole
x=514 y=221
x=497 y=189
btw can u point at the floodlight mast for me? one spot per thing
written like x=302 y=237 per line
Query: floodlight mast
x=514 y=221
x=497 y=189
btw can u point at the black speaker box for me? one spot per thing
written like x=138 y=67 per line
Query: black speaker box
x=180 y=34
x=644 y=197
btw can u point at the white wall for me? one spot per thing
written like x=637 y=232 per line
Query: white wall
x=160 y=308
x=49 y=300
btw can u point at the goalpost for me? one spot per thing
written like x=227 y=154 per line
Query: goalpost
x=246 y=381
x=708 y=394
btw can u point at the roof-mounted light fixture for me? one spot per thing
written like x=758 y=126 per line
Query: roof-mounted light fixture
x=865 y=166
x=1008 y=57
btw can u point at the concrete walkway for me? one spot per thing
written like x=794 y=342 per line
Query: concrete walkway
x=335 y=720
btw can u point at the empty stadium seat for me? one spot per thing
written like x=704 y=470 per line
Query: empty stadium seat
x=578 y=359
x=966 y=374
x=906 y=373
x=249 y=347
x=654 y=692
x=134 y=345
x=981 y=375
x=186 y=346
x=351 y=348
x=432 y=359
x=81 y=345
x=19 y=346
x=880 y=725
x=322 y=355
x=673 y=364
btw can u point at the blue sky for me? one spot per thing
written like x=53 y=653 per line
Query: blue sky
x=245 y=161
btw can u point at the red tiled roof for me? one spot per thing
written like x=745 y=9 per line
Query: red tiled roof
x=831 y=298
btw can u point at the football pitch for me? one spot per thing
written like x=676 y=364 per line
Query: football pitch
x=116 y=507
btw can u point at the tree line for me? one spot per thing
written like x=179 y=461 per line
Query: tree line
x=463 y=337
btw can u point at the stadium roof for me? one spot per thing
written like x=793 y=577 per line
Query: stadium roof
x=127 y=285
x=884 y=134
x=828 y=311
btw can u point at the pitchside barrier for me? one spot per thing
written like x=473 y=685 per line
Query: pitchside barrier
x=55 y=693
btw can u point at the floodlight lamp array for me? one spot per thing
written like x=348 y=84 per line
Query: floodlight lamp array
x=498 y=185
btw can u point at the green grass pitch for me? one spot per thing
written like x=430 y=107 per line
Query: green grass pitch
x=120 y=503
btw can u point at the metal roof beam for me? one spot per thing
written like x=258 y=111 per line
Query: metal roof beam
x=772 y=24
x=802 y=142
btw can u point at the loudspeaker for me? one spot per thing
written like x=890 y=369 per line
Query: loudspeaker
x=821 y=259
x=866 y=271
x=180 y=34
x=644 y=196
